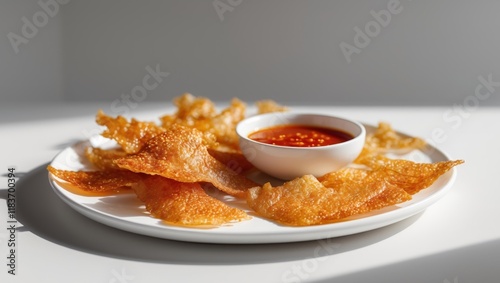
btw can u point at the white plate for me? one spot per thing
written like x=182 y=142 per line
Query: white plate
x=125 y=212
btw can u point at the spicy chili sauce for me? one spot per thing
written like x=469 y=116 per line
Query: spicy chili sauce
x=300 y=136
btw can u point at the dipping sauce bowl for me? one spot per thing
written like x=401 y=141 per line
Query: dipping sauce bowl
x=298 y=144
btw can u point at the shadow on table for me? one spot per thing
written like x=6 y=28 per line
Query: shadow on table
x=43 y=213
x=476 y=263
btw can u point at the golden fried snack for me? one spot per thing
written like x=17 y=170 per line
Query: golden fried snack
x=194 y=108
x=184 y=204
x=390 y=196
x=97 y=181
x=223 y=125
x=343 y=182
x=411 y=176
x=200 y=113
x=104 y=158
x=306 y=201
x=190 y=109
x=269 y=106
x=385 y=139
x=234 y=160
x=131 y=136
x=181 y=154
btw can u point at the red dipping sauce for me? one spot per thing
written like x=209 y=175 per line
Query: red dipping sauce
x=300 y=136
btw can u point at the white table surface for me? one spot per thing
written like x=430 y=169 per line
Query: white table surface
x=455 y=240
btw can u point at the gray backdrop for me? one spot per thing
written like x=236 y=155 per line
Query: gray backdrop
x=382 y=52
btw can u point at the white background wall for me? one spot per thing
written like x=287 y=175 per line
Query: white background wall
x=429 y=53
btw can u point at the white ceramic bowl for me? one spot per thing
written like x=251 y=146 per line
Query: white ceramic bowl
x=286 y=162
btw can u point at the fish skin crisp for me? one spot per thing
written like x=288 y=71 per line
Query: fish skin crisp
x=104 y=159
x=97 y=181
x=411 y=176
x=131 y=136
x=306 y=201
x=185 y=204
x=181 y=154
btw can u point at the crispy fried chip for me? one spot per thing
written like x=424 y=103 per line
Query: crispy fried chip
x=104 y=158
x=131 y=136
x=184 y=203
x=390 y=196
x=343 y=182
x=223 y=125
x=181 y=154
x=385 y=139
x=234 y=160
x=190 y=109
x=268 y=106
x=97 y=181
x=306 y=201
x=200 y=113
x=411 y=176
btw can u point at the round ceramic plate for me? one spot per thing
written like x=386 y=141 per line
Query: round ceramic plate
x=126 y=212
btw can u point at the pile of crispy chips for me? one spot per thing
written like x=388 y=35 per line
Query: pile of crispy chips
x=170 y=165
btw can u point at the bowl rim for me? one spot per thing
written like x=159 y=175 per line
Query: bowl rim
x=361 y=134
